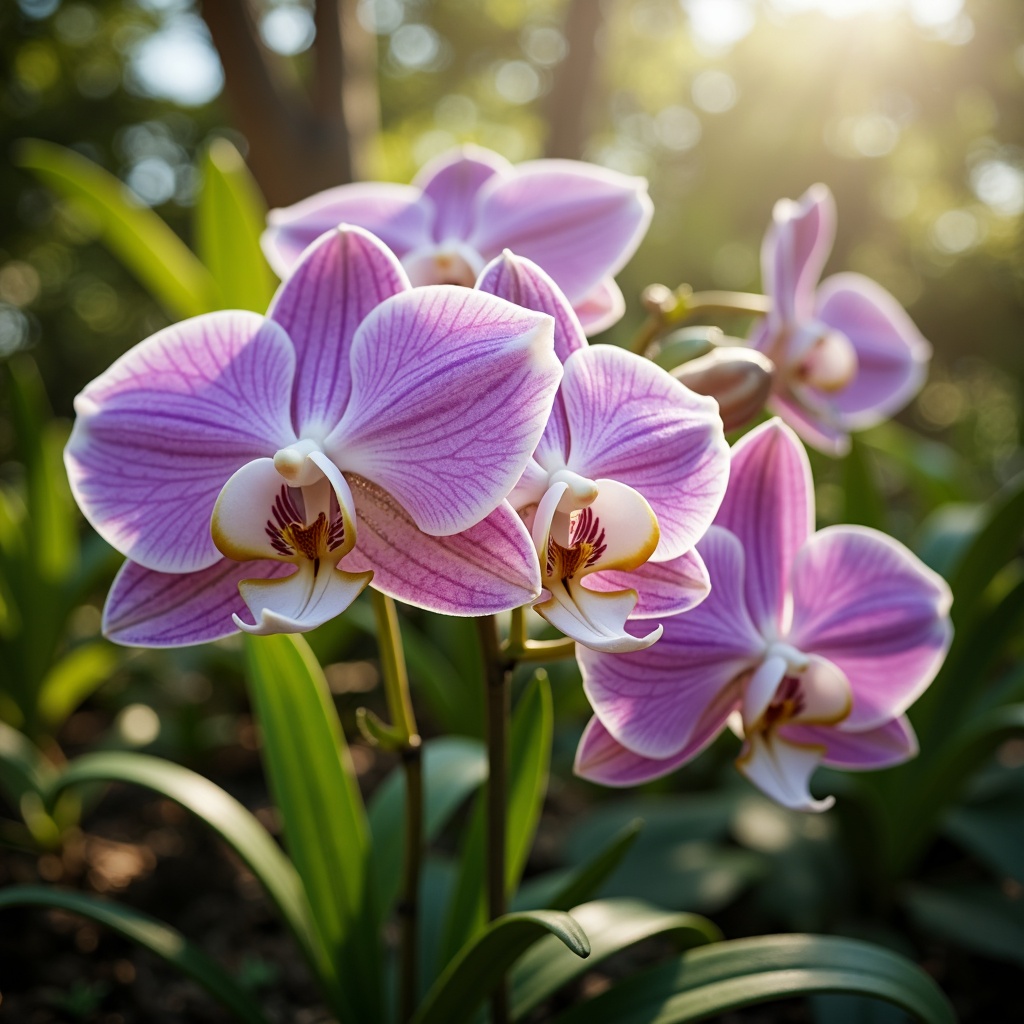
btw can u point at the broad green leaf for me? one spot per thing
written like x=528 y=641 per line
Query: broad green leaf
x=471 y=976
x=73 y=678
x=610 y=926
x=829 y=1009
x=991 y=825
x=707 y=982
x=159 y=938
x=529 y=755
x=313 y=783
x=230 y=217
x=23 y=768
x=133 y=232
x=236 y=825
x=863 y=503
x=453 y=767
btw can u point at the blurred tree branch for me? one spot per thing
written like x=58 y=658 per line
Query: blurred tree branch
x=300 y=141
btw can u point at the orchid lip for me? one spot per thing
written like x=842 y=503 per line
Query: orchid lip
x=448 y=262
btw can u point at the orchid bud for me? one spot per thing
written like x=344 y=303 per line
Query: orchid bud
x=739 y=379
x=685 y=344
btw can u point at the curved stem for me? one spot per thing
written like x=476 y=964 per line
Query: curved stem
x=726 y=302
x=519 y=647
x=403 y=719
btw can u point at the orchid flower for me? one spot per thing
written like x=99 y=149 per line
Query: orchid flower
x=811 y=645
x=580 y=222
x=628 y=474
x=361 y=421
x=847 y=356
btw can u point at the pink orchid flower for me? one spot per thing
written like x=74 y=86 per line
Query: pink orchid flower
x=236 y=459
x=580 y=222
x=628 y=474
x=847 y=356
x=811 y=645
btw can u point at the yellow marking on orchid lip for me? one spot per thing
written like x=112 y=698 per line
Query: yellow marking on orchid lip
x=290 y=535
x=307 y=540
x=586 y=546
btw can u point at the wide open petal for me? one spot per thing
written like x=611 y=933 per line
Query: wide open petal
x=161 y=431
x=451 y=389
x=888 y=744
x=769 y=506
x=340 y=278
x=602 y=307
x=162 y=609
x=451 y=182
x=651 y=701
x=489 y=568
x=663 y=588
x=581 y=223
x=633 y=422
x=794 y=252
x=864 y=602
x=397 y=214
x=892 y=355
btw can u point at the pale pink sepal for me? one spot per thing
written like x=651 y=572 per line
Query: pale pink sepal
x=160 y=431
x=602 y=307
x=451 y=182
x=882 y=747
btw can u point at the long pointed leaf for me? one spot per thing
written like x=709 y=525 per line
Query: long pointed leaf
x=313 y=783
x=159 y=938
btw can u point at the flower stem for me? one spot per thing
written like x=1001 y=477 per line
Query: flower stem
x=407 y=742
x=498 y=672
x=519 y=647
x=726 y=302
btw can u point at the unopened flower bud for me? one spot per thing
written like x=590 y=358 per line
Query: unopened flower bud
x=739 y=379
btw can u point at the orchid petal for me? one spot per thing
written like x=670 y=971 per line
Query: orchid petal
x=452 y=181
x=596 y=620
x=159 y=433
x=783 y=771
x=795 y=250
x=451 y=390
x=813 y=417
x=631 y=421
x=162 y=609
x=652 y=700
x=770 y=507
x=868 y=605
x=339 y=279
x=491 y=567
x=892 y=355
x=300 y=602
x=579 y=222
x=886 y=745
x=397 y=214
x=663 y=588
x=602 y=307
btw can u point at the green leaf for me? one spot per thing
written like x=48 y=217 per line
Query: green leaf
x=453 y=767
x=529 y=755
x=73 y=678
x=991 y=826
x=471 y=976
x=236 y=825
x=313 y=783
x=230 y=217
x=133 y=232
x=706 y=982
x=23 y=768
x=863 y=503
x=611 y=926
x=157 y=937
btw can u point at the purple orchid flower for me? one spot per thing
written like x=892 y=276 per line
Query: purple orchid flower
x=811 y=645
x=236 y=459
x=847 y=356
x=580 y=222
x=628 y=474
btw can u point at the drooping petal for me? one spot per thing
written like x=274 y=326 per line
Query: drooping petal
x=300 y=602
x=881 y=747
x=602 y=307
x=813 y=417
x=451 y=389
x=769 y=506
x=794 y=252
x=327 y=296
x=452 y=181
x=595 y=620
x=783 y=770
x=491 y=567
x=162 y=609
x=651 y=701
x=864 y=602
x=892 y=355
x=663 y=588
x=631 y=421
x=160 y=432
x=579 y=222
x=600 y=758
x=397 y=214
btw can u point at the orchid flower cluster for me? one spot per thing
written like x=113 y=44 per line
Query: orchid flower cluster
x=420 y=411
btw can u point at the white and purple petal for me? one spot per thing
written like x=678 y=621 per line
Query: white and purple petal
x=602 y=307
x=663 y=588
